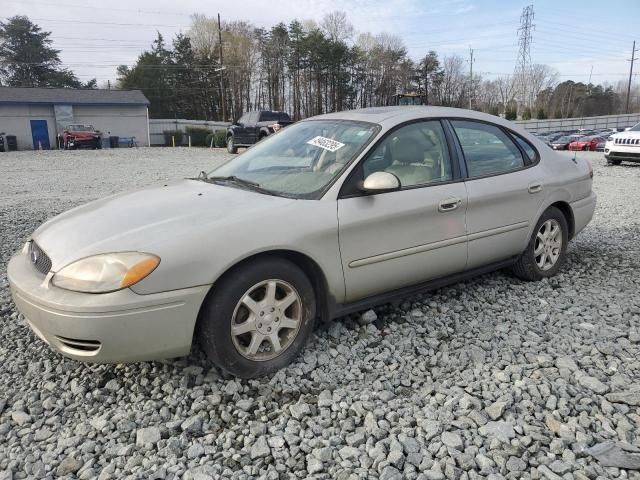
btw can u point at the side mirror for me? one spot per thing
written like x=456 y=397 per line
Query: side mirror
x=379 y=182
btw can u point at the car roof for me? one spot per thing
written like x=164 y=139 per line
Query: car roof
x=390 y=116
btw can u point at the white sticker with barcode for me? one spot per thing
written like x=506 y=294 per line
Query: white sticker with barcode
x=326 y=143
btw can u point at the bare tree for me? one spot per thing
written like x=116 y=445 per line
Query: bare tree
x=506 y=89
x=336 y=26
x=541 y=77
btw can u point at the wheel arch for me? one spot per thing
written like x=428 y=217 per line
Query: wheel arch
x=264 y=132
x=309 y=266
x=566 y=210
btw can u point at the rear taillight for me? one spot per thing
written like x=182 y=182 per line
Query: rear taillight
x=275 y=127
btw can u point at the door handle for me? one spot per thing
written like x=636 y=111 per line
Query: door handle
x=535 y=187
x=449 y=204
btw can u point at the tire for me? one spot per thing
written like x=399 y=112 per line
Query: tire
x=226 y=304
x=528 y=267
x=614 y=162
x=231 y=148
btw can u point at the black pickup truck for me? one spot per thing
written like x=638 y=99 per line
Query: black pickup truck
x=253 y=127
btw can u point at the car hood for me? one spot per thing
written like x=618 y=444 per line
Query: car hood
x=144 y=220
x=629 y=134
x=83 y=134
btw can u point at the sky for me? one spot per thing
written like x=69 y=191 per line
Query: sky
x=579 y=38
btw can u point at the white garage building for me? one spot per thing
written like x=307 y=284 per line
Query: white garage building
x=36 y=115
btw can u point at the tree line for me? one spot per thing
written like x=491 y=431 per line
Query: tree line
x=219 y=71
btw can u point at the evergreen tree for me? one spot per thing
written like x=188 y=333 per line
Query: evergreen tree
x=27 y=58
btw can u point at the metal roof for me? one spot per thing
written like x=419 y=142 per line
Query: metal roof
x=70 y=96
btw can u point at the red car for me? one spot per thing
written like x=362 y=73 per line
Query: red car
x=80 y=136
x=589 y=142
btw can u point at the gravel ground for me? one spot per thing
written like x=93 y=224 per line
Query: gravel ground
x=492 y=377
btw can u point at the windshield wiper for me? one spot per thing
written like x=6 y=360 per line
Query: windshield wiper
x=237 y=181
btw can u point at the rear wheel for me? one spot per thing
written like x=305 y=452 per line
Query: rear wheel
x=614 y=162
x=231 y=148
x=546 y=249
x=258 y=318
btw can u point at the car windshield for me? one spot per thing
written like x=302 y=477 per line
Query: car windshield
x=635 y=128
x=80 y=128
x=274 y=117
x=301 y=160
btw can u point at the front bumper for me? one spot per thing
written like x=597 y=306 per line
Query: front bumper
x=117 y=327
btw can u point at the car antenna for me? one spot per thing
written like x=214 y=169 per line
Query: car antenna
x=575 y=153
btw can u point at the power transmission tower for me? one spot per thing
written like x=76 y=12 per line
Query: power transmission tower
x=471 y=60
x=523 y=65
x=222 y=100
x=633 y=57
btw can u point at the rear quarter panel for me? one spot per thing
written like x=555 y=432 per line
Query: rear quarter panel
x=566 y=179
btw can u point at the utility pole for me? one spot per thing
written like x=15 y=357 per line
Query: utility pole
x=471 y=60
x=633 y=57
x=224 y=107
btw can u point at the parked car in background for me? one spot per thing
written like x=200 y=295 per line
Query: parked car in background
x=588 y=143
x=623 y=146
x=601 y=144
x=253 y=127
x=561 y=143
x=2 y=134
x=80 y=136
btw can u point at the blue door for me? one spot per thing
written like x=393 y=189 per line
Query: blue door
x=40 y=134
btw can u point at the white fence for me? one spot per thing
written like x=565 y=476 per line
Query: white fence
x=605 y=121
x=159 y=125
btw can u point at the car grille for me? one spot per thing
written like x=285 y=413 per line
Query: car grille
x=39 y=259
x=627 y=141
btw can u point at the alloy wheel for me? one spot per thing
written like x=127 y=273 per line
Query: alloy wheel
x=266 y=320
x=548 y=244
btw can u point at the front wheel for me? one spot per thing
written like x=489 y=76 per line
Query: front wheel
x=546 y=249
x=231 y=148
x=258 y=318
x=614 y=162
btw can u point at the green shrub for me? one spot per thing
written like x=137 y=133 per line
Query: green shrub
x=198 y=136
x=494 y=111
x=557 y=114
x=541 y=115
x=510 y=114
x=220 y=138
x=526 y=114
x=177 y=134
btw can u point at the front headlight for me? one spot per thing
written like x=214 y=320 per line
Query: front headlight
x=106 y=273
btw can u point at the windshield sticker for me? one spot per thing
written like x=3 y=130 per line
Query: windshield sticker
x=325 y=143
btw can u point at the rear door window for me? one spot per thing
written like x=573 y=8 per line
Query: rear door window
x=528 y=149
x=487 y=149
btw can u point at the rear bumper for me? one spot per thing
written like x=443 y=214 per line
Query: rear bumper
x=583 y=212
x=115 y=327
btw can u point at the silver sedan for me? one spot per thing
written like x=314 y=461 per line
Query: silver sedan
x=332 y=215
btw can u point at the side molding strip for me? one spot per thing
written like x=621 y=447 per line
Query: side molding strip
x=435 y=245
